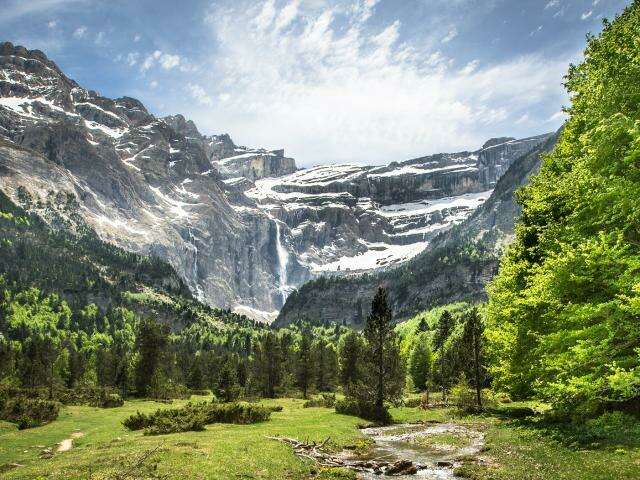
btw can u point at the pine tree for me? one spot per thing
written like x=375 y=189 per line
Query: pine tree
x=227 y=386
x=151 y=343
x=472 y=342
x=445 y=326
x=305 y=364
x=268 y=364
x=382 y=365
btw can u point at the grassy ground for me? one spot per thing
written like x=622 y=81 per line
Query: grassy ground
x=515 y=449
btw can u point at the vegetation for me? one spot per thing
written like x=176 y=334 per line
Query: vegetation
x=194 y=417
x=90 y=333
x=564 y=311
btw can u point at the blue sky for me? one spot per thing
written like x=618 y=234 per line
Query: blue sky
x=361 y=81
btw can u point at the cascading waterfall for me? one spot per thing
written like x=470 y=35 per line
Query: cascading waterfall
x=283 y=260
x=192 y=241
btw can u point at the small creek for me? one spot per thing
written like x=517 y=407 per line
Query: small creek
x=434 y=460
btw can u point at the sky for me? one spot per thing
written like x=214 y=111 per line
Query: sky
x=360 y=81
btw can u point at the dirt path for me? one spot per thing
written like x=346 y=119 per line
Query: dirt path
x=67 y=444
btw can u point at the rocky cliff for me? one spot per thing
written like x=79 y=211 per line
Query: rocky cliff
x=144 y=183
x=242 y=226
x=457 y=265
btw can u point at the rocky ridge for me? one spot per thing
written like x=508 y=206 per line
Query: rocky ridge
x=242 y=226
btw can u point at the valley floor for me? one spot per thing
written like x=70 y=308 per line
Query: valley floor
x=515 y=449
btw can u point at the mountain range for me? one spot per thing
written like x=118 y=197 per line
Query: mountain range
x=244 y=228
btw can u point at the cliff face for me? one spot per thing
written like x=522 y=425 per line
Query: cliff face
x=457 y=266
x=242 y=226
x=144 y=183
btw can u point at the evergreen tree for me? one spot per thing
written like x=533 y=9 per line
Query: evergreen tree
x=268 y=364
x=305 y=363
x=227 y=387
x=151 y=343
x=472 y=345
x=420 y=362
x=446 y=358
x=383 y=378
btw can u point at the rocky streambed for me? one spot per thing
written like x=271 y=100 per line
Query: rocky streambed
x=418 y=450
x=424 y=450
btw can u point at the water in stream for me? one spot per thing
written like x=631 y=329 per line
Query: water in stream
x=402 y=442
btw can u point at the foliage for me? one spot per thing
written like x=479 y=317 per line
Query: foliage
x=564 y=311
x=420 y=362
x=326 y=400
x=28 y=412
x=194 y=416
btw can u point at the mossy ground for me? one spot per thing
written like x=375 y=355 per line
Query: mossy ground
x=514 y=449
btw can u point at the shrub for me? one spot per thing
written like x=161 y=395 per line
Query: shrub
x=327 y=400
x=138 y=421
x=194 y=416
x=413 y=402
x=351 y=406
x=29 y=412
x=112 y=400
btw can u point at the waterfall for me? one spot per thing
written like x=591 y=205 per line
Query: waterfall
x=198 y=289
x=283 y=259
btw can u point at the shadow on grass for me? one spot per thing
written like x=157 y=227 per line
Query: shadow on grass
x=609 y=430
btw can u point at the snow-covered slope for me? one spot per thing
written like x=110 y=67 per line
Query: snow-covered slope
x=242 y=226
x=352 y=218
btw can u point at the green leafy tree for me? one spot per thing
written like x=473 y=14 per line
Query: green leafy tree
x=564 y=311
x=420 y=362
x=349 y=358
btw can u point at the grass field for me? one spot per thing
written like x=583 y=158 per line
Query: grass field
x=514 y=450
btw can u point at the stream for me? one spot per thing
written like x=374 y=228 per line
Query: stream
x=411 y=442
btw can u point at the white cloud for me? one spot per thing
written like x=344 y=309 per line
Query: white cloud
x=523 y=119
x=165 y=60
x=132 y=58
x=14 y=9
x=80 y=32
x=334 y=86
x=52 y=23
x=535 y=31
x=169 y=61
x=453 y=33
x=198 y=93
x=137 y=37
x=470 y=67
x=153 y=84
x=586 y=15
x=551 y=4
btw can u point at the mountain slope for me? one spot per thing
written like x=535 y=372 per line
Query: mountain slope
x=457 y=267
x=241 y=226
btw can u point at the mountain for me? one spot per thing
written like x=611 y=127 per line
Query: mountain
x=243 y=227
x=457 y=266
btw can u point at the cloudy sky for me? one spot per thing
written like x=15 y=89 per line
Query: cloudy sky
x=365 y=81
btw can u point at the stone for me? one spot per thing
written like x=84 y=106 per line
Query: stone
x=401 y=467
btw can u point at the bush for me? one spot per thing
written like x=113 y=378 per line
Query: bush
x=112 y=400
x=194 y=416
x=351 y=406
x=29 y=412
x=327 y=400
x=138 y=421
